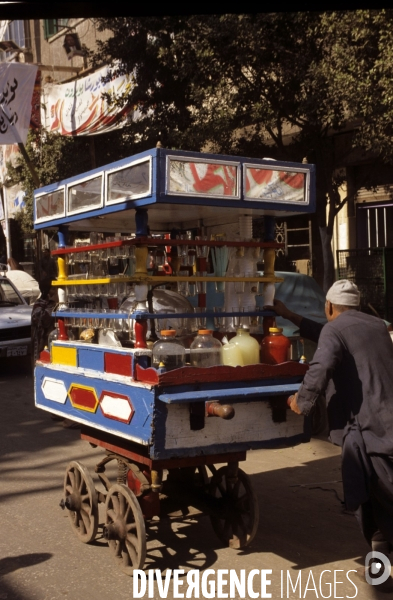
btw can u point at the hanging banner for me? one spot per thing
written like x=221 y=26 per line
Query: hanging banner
x=16 y=90
x=80 y=108
x=9 y=153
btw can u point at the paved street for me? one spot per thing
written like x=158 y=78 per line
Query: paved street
x=302 y=523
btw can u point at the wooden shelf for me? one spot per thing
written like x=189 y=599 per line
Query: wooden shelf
x=151 y=279
x=148 y=241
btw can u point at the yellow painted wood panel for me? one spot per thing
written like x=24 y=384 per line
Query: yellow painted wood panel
x=64 y=356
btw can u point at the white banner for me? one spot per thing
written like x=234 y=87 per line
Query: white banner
x=16 y=90
x=3 y=28
x=78 y=107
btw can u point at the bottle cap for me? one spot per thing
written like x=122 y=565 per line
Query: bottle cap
x=243 y=328
x=204 y=332
x=275 y=329
x=168 y=332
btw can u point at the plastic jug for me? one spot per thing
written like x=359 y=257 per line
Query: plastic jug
x=247 y=345
x=231 y=355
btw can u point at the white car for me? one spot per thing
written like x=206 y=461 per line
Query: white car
x=15 y=321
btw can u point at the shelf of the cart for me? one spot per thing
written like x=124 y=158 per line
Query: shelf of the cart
x=153 y=279
x=98 y=314
x=154 y=241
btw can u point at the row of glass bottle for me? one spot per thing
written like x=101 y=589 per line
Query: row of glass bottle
x=205 y=351
x=88 y=317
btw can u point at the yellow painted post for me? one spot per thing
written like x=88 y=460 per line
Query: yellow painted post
x=141 y=253
x=62 y=267
x=269 y=257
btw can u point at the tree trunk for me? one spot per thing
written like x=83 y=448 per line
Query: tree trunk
x=328 y=261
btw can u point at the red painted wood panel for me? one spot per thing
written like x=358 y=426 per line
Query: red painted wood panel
x=82 y=397
x=119 y=364
x=187 y=375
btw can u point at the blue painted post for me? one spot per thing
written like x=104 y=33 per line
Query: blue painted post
x=62 y=235
x=270 y=223
x=141 y=222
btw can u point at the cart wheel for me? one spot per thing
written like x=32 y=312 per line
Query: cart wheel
x=81 y=501
x=202 y=478
x=189 y=475
x=125 y=528
x=235 y=519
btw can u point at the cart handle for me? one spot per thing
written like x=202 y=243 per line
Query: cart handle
x=224 y=411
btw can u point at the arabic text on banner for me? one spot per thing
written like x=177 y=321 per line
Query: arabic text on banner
x=16 y=90
x=79 y=108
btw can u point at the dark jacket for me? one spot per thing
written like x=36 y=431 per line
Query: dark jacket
x=42 y=323
x=353 y=364
x=310 y=330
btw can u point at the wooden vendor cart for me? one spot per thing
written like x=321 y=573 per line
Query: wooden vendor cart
x=152 y=220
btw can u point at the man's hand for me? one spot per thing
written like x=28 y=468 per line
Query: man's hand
x=292 y=403
x=279 y=308
x=282 y=311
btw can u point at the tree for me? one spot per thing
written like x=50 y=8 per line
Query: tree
x=56 y=157
x=275 y=85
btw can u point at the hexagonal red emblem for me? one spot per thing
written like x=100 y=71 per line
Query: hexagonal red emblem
x=116 y=406
x=83 y=397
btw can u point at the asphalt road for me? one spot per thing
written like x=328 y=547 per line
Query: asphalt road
x=303 y=527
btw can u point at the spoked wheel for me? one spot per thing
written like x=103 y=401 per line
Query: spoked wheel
x=236 y=516
x=125 y=528
x=81 y=501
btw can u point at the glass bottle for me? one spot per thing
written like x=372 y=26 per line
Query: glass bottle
x=275 y=347
x=205 y=350
x=169 y=351
x=248 y=346
x=70 y=334
x=53 y=336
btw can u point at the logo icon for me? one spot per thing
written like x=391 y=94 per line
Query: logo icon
x=377 y=568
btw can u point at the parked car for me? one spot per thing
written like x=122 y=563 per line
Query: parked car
x=15 y=321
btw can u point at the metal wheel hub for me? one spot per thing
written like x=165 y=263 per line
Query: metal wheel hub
x=116 y=530
x=73 y=502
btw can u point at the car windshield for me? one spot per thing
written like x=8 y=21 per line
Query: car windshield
x=8 y=295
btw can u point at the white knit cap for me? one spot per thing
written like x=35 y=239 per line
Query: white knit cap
x=344 y=292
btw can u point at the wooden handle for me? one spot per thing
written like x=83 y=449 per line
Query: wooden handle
x=224 y=411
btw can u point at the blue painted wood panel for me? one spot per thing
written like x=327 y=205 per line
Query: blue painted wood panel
x=150 y=425
x=159 y=195
x=231 y=394
x=90 y=358
x=140 y=427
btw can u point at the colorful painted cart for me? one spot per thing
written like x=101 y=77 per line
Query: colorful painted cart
x=164 y=429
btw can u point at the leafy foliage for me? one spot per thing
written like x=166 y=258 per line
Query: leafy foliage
x=56 y=157
x=277 y=85
x=271 y=84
